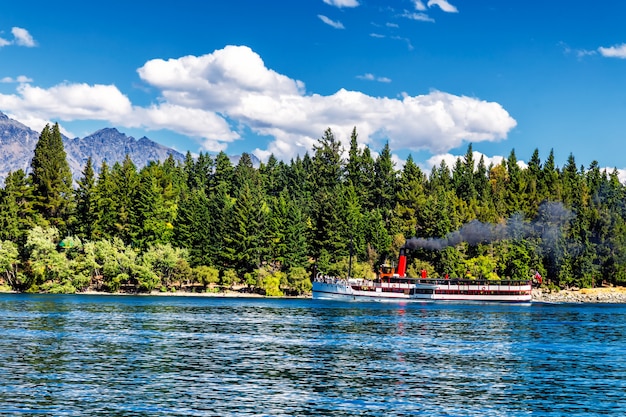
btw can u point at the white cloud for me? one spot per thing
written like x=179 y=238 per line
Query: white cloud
x=443 y=5
x=197 y=123
x=617 y=51
x=422 y=17
x=19 y=79
x=71 y=101
x=22 y=37
x=421 y=8
x=581 y=53
x=274 y=105
x=372 y=77
x=329 y=22
x=35 y=107
x=419 y=5
x=342 y=3
x=210 y=80
x=203 y=96
x=409 y=45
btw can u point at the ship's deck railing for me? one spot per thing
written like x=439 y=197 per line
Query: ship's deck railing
x=427 y=281
x=477 y=282
x=327 y=279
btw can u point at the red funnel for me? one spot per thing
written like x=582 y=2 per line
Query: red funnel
x=401 y=271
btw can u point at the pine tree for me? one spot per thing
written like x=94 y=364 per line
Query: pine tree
x=244 y=172
x=105 y=216
x=515 y=184
x=327 y=164
x=295 y=237
x=270 y=176
x=155 y=206
x=246 y=229
x=278 y=222
x=125 y=180
x=464 y=177
x=52 y=179
x=549 y=180
x=17 y=214
x=354 y=167
x=368 y=176
x=385 y=182
x=352 y=225
x=198 y=173
x=223 y=174
x=481 y=184
x=410 y=199
x=86 y=204
x=192 y=227
x=220 y=212
x=9 y=228
x=298 y=184
x=531 y=179
x=377 y=237
x=330 y=233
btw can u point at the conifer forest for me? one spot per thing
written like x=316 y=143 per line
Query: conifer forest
x=206 y=224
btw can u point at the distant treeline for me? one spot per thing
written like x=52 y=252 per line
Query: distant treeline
x=205 y=223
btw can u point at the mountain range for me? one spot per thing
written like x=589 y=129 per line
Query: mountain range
x=17 y=144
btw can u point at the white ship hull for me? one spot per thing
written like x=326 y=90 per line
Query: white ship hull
x=422 y=290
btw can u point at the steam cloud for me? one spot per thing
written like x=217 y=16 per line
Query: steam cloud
x=551 y=217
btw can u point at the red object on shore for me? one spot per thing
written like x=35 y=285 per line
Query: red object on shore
x=424 y=273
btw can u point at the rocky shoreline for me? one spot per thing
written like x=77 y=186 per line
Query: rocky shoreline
x=584 y=295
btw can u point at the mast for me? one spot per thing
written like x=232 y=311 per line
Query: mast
x=350 y=258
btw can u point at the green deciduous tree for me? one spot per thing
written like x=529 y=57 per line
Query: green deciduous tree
x=163 y=260
x=49 y=268
x=9 y=261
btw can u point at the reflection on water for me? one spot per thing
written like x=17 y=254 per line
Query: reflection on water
x=77 y=355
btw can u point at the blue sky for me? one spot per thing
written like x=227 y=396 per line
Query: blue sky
x=427 y=76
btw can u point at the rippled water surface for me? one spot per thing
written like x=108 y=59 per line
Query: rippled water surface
x=203 y=356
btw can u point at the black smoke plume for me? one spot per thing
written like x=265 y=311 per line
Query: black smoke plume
x=551 y=218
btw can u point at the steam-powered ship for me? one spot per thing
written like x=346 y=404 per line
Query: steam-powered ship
x=394 y=285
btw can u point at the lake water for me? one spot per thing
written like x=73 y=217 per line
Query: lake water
x=202 y=356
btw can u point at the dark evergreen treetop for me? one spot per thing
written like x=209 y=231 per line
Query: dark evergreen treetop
x=52 y=178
